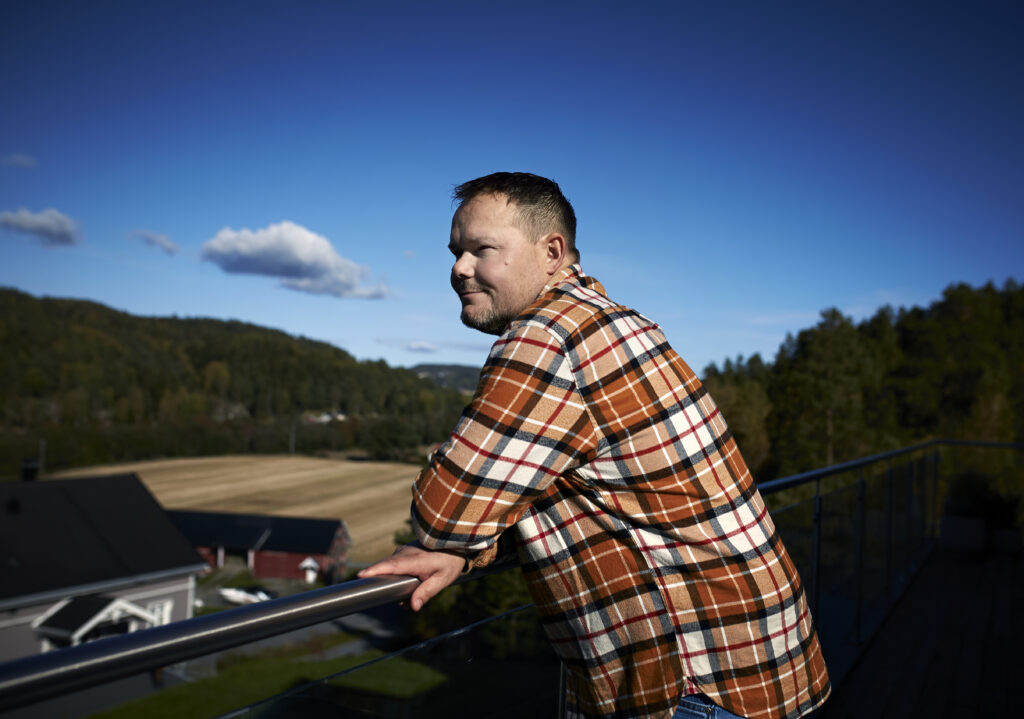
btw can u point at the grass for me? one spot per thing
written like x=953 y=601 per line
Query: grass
x=288 y=651
x=243 y=680
x=240 y=685
x=253 y=681
x=395 y=677
x=209 y=609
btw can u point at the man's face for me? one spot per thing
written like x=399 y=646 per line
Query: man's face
x=498 y=271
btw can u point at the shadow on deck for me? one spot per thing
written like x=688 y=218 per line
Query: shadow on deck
x=950 y=648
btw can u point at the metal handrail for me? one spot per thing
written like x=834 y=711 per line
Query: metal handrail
x=777 y=485
x=30 y=679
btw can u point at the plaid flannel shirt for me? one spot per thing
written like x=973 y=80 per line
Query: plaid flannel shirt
x=643 y=539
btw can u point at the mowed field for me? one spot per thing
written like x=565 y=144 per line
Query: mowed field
x=372 y=497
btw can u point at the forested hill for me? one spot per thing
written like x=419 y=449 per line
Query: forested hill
x=98 y=385
x=78 y=364
x=842 y=390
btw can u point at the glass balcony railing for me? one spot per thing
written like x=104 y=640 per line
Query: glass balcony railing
x=499 y=667
x=857 y=532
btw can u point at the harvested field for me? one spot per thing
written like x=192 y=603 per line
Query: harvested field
x=372 y=497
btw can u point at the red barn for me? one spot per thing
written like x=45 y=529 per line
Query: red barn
x=274 y=547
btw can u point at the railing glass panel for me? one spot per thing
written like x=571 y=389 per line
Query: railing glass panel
x=219 y=683
x=500 y=667
x=874 y=527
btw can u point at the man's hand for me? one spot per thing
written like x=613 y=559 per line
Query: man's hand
x=435 y=569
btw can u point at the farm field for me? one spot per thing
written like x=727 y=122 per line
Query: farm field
x=372 y=497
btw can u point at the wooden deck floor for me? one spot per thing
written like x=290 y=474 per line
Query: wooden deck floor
x=950 y=648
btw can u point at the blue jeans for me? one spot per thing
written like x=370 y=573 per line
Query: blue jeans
x=698 y=706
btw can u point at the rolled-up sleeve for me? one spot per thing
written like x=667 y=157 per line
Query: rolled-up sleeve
x=526 y=426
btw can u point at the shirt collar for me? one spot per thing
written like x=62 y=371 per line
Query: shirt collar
x=573 y=274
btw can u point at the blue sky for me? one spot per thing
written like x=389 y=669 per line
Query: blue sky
x=736 y=167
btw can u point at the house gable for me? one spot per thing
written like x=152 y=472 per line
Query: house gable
x=64 y=537
x=72 y=621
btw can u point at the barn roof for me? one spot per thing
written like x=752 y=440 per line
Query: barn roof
x=257 y=531
x=72 y=535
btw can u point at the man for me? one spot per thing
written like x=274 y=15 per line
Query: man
x=644 y=542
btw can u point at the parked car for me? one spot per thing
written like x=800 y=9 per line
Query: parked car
x=246 y=595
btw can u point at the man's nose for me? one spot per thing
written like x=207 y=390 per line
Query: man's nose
x=463 y=266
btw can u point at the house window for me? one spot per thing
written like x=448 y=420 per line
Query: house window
x=161 y=610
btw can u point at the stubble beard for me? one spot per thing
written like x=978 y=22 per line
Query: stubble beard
x=493 y=322
x=494 y=319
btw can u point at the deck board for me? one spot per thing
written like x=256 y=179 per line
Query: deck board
x=950 y=648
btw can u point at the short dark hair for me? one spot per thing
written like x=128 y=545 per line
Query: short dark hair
x=540 y=205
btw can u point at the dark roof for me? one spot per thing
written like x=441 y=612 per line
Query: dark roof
x=257 y=531
x=74 y=614
x=62 y=534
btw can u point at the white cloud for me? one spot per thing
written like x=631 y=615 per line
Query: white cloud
x=303 y=260
x=18 y=159
x=155 y=239
x=49 y=227
x=426 y=346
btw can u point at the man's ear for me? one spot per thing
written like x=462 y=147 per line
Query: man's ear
x=555 y=252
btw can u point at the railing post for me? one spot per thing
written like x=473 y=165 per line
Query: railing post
x=912 y=468
x=936 y=508
x=816 y=552
x=861 y=539
x=888 y=531
x=562 y=681
x=926 y=475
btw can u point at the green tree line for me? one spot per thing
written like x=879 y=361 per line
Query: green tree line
x=102 y=385
x=841 y=390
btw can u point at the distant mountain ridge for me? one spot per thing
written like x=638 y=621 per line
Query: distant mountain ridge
x=463 y=378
